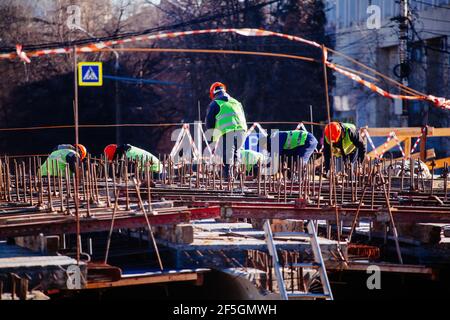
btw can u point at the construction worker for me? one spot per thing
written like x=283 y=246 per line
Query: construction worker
x=65 y=146
x=81 y=149
x=132 y=153
x=250 y=159
x=296 y=143
x=346 y=143
x=60 y=158
x=226 y=116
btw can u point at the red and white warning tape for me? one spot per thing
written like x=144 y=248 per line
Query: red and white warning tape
x=253 y=127
x=399 y=145
x=386 y=145
x=301 y=126
x=419 y=138
x=182 y=134
x=93 y=47
x=391 y=136
x=438 y=102
x=366 y=133
x=247 y=32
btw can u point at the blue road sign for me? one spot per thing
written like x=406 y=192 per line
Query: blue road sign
x=90 y=74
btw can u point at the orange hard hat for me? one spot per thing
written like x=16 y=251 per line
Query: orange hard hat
x=82 y=150
x=214 y=89
x=110 y=151
x=333 y=132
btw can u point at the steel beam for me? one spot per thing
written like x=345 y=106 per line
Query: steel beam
x=94 y=224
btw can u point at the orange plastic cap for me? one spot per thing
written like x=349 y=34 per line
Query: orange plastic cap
x=333 y=132
x=110 y=151
x=214 y=89
x=82 y=150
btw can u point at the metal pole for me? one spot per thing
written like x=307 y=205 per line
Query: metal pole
x=75 y=106
x=403 y=53
x=332 y=172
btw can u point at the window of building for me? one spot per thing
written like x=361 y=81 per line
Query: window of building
x=353 y=10
x=363 y=5
x=426 y=4
x=341 y=12
x=388 y=8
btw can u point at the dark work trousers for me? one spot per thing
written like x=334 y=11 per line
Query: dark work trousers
x=231 y=145
x=352 y=158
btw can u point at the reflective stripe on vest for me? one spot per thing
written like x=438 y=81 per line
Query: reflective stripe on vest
x=144 y=156
x=347 y=143
x=295 y=139
x=231 y=117
x=56 y=163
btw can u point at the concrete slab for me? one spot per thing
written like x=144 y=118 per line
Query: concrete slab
x=47 y=272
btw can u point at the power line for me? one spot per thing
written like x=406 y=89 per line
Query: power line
x=184 y=24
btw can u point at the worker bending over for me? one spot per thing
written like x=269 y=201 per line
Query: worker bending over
x=132 y=153
x=296 y=143
x=250 y=159
x=61 y=157
x=346 y=143
x=226 y=116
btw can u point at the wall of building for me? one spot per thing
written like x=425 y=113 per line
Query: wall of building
x=378 y=48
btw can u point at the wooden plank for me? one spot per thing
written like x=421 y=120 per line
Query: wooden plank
x=413 y=132
x=391 y=144
x=423 y=146
x=145 y=280
x=439 y=132
x=431 y=154
x=439 y=163
x=407 y=147
x=440 y=215
x=384 y=267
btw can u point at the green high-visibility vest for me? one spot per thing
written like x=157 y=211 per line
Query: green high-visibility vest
x=250 y=158
x=56 y=163
x=231 y=117
x=144 y=156
x=347 y=143
x=296 y=138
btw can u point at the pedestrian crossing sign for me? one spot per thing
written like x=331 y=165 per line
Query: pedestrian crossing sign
x=90 y=74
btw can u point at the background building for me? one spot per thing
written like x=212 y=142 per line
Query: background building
x=428 y=52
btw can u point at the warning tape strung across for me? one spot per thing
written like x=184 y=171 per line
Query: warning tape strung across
x=93 y=47
x=247 y=32
x=439 y=102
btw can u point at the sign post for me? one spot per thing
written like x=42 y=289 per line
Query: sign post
x=86 y=74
